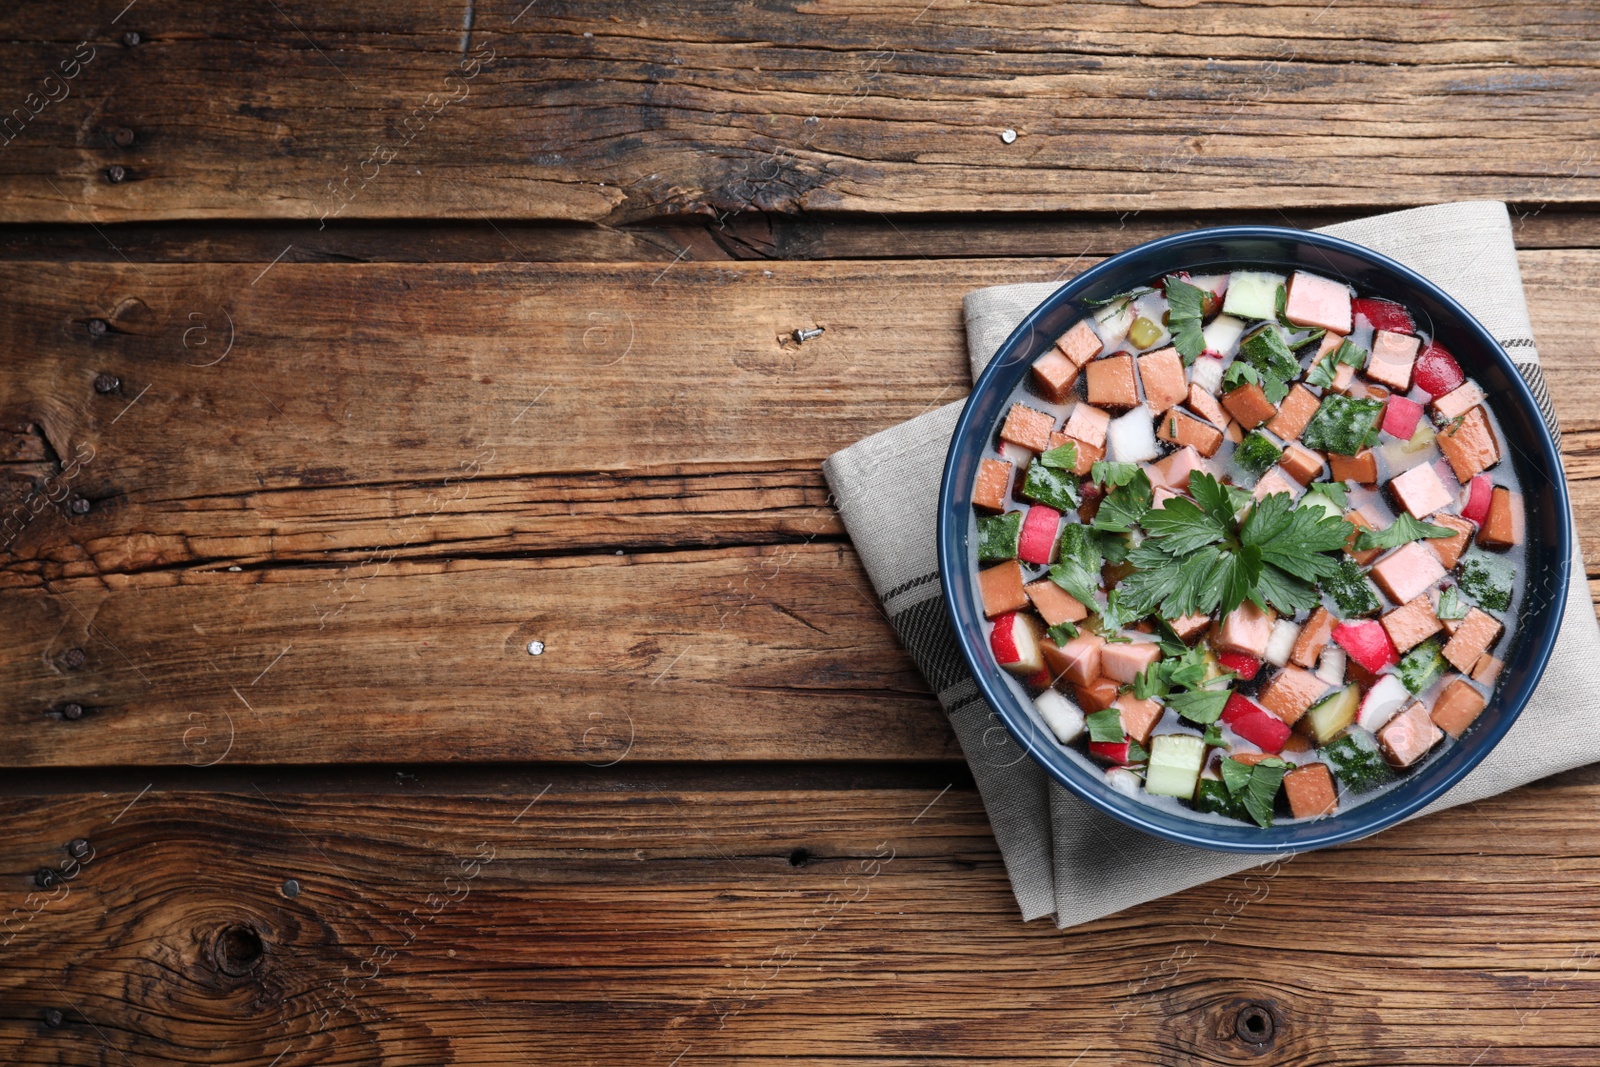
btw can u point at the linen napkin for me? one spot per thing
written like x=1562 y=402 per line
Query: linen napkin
x=1064 y=857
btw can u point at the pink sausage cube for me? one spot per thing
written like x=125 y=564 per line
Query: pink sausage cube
x=1274 y=481
x=1245 y=629
x=1407 y=572
x=1408 y=736
x=1176 y=468
x=1080 y=658
x=1124 y=663
x=1458 y=401
x=1088 y=424
x=1037 y=542
x=1421 y=491
x=1400 y=416
x=1318 y=301
x=1393 y=355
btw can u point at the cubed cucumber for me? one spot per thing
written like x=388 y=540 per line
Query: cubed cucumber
x=1315 y=499
x=1420 y=667
x=1356 y=761
x=1174 y=767
x=1252 y=294
x=997 y=537
x=1256 y=453
x=1351 y=591
x=1330 y=715
x=1343 y=424
x=1487 y=579
x=1054 y=488
x=1266 y=351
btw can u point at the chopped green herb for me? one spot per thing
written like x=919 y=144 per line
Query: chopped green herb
x=1200 y=706
x=1356 y=762
x=1130 y=295
x=1112 y=618
x=1448 y=427
x=1420 y=667
x=1351 y=591
x=1105 y=726
x=1343 y=424
x=1047 y=485
x=1256 y=453
x=1214 y=798
x=1110 y=475
x=1282 y=304
x=1487 y=579
x=1185 y=304
x=1079 y=562
x=1125 y=505
x=1402 y=531
x=1239 y=373
x=1275 y=365
x=1137 y=753
x=1235 y=775
x=1213 y=735
x=1061 y=633
x=1451 y=606
x=1062 y=457
x=997 y=536
x=1336 y=492
x=1322 y=375
x=1255 y=787
x=1183 y=669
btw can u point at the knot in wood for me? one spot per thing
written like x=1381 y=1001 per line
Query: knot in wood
x=237 y=950
x=1255 y=1024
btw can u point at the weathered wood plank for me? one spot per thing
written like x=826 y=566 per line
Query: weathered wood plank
x=628 y=110
x=661 y=923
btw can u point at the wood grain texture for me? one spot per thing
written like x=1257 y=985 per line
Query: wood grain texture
x=408 y=508
x=656 y=924
x=625 y=110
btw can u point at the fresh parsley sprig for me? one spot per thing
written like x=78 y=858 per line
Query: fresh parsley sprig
x=1185 y=314
x=1404 y=530
x=1323 y=374
x=1062 y=457
x=1256 y=787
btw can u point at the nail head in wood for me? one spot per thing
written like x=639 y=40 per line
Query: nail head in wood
x=45 y=877
x=53 y=1018
x=72 y=712
x=116 y=174
x=291 y=888
x=122 y=137
x=78 y=848
x=80 y=505
x=73 y=658
x=132 y=39
x=98 y=327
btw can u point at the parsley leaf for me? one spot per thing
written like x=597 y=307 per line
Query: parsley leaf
x=1235 y=775
x=1404 y=530
x=1256 y=786
x=1327 y=367
x=1451 y=606
x=1183 y=526
x=1282 y=307
x=1105 y=726
x=1131 y=294
x=1137 y=752
x=1125 y=505
x=1079 y=561
x=1184 y=314
x=1149 y=683
x=1274 y=363
x=1110 y=475
x=1113 y=617
x=1061 y=633
x=1062 y=457
x=1213 y=735
x=1200 y=706
x=1337 y=492
x=1239 y=373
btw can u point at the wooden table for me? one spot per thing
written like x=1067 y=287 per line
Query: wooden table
x=353 y=350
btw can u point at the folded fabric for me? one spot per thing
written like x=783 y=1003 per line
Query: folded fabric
x=1064 y=857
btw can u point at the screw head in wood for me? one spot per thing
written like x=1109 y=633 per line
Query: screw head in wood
x=132 y=38
x=116 y=174
x=98 y=327
x=73 y=658
x=105 y=382
x=122 y=137
x=52 y=1017
x=80 y=505
x=72 y=712
x=45 y=877
x=78 y=848
x=290 y=888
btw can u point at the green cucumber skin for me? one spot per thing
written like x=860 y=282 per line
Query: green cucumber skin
x=1342 y=424
x=998 y=536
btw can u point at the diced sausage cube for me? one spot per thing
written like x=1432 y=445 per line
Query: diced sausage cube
x=1110 y=382
x=1088 y=424
x=1458 y=401
x=1302 y=464
x=1098 y=695
x=1181 y=428
x=1274 y=482
x=1486 y=670
x=1469 y=445
x=994 y=482
x=1407 y=572
x=1361 y=520
x=1457 y=708
x=1503 y=527
x=1000 y=589
x=1161 y=374
x=1028 y=427
x=1174 y=471
x=1053 y=603
x=1313 y=638
x=1291 y=692
x=1449 y=549
x=1318 y=301
x=1054 y=375
x=1294 y=413
x=1189 y=627
x=1206 y=406
x=1139 y=717
x=1249 y=405
x=1408 y=736
x=1393 y=355
x=1233 y=432
x=1246 y=629
x=1125 y=662
x=1087 y=455
x=1361 y=468
x=1079 y=344
x=1310 y=791
x=1420 y=491
x=1078 y=660
x=1471 y=640
x=1411 y=624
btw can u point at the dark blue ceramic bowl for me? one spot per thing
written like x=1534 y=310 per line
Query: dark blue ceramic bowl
x=1533 y=451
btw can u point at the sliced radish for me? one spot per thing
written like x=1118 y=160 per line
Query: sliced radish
x=1383 y=702
x=1037 y=542
x=1018 y=456
x=1240 y=663
x=1112 y=322
x=1280 y=646
x=1222 y=333
x=1064 y=718
x=1207 y=373
x=1400 y=416
x=1255 y=724
x=1330 y=668
x=1015 y=642
x=1436 y=371
x=1384 y=315
x=1131 y=438
x=1479 y=492
x=1114 y=752
x=1368 y=644
x=1124 y=781
x=1039 y=680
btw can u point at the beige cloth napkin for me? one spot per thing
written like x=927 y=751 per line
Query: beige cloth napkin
x=1065 y=858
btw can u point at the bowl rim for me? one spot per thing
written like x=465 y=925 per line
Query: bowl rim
x=1048 y=755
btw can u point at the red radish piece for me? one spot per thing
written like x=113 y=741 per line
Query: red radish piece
x=1037 y=543
x=1015 y=642
x=1255 y=724
x=1400 y=417
x=1114 y=752
x=1384 y=315
x=1368 y=644
x=1436 y=371
x=1244 y=666
x=1479 y=492
x=1040 y=680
